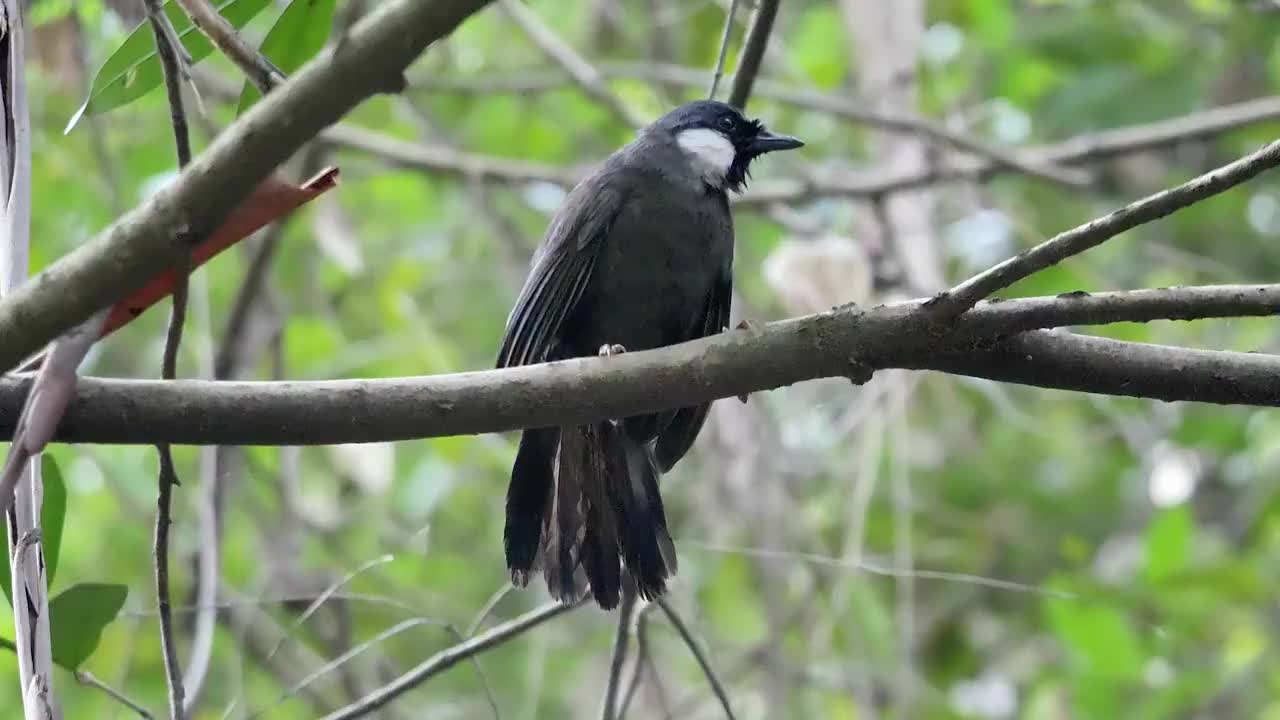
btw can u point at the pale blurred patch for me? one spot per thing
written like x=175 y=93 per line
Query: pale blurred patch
x=811 y=276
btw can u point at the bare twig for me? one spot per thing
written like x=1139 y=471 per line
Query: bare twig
x=932 y=130
x=87 y=679
x=173 y=672
x=724 y=49
x=260 y=71
x=575 y=65
x=1081 y=238
x=642 y=658
x=753 y=52
x=442 y=158
x=168 y=48
x=716 y=686
x=621 y=640
x=446 y=659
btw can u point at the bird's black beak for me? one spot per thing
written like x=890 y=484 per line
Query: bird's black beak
x=766 y=141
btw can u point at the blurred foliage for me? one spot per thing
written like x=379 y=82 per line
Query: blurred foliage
x=1141 y=535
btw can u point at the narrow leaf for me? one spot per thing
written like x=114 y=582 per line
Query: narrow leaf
x=134 y=70
x=77 y=618
x=298 y=35
x=53 y=514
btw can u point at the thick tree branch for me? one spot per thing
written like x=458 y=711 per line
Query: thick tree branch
x=845 y=342
x=149 y=239
x=1095 y=232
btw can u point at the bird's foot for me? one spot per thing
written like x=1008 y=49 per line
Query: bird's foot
x=745 y=324
x=611 y=350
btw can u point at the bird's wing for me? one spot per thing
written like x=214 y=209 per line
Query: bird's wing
x=561 y=271
x=678 y=436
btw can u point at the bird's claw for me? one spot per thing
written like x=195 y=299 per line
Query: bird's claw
x=745 y=324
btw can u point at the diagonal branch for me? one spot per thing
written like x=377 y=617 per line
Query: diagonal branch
x=703 y=662
x=582 y=72
x=843 y=343
x=260 y=71
x=147 y=240
x=447 y=658
x=1081 y=238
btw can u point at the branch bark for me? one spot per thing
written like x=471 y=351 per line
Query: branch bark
x=845 y=342
x=1097 y=231
x=147 y=240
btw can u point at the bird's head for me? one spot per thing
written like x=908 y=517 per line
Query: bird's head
x=720 y=142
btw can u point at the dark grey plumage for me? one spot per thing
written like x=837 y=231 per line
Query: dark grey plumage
x=639 y=255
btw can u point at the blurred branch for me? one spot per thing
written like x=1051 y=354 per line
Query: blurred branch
x=260 y=71
x=846 y=342
x=444 y=159
x=447 y=658
x=87 y=679
x=147 y=240
x=720 y=58
x=621 y=641
x=582 y=72
x=1097 y=231
x=703 y=662
x=753 y=52
x=829 y=182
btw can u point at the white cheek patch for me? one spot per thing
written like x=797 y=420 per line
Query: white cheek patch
x=710 y=153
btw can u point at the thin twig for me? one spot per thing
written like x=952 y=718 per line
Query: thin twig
x=1083 y=237
x=642 y=658
x=446 y=659
x=583 y=72
x=173 y=672
x=87 y=679
x=716 y=686
x=170 y=52
x=621 y=640
x=724 y=49
x=260 y=71
x=753 y=52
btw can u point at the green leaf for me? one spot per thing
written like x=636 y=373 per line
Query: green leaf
x=77 y=618
x=53 y=514
x=1168 y=542
x=299 y=34
x=134 y=70
x=1099 y=639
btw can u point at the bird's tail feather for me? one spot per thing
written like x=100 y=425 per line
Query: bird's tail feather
x=532 y=482
x=581 y=499
x=647 y=549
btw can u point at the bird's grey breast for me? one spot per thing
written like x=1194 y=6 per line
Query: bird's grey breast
x=669 y=243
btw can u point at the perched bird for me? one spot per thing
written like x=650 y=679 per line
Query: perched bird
x=639 y=256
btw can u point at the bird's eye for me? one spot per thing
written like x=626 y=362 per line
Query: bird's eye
x=727 y=123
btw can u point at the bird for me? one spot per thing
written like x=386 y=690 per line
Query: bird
x=638 y=256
